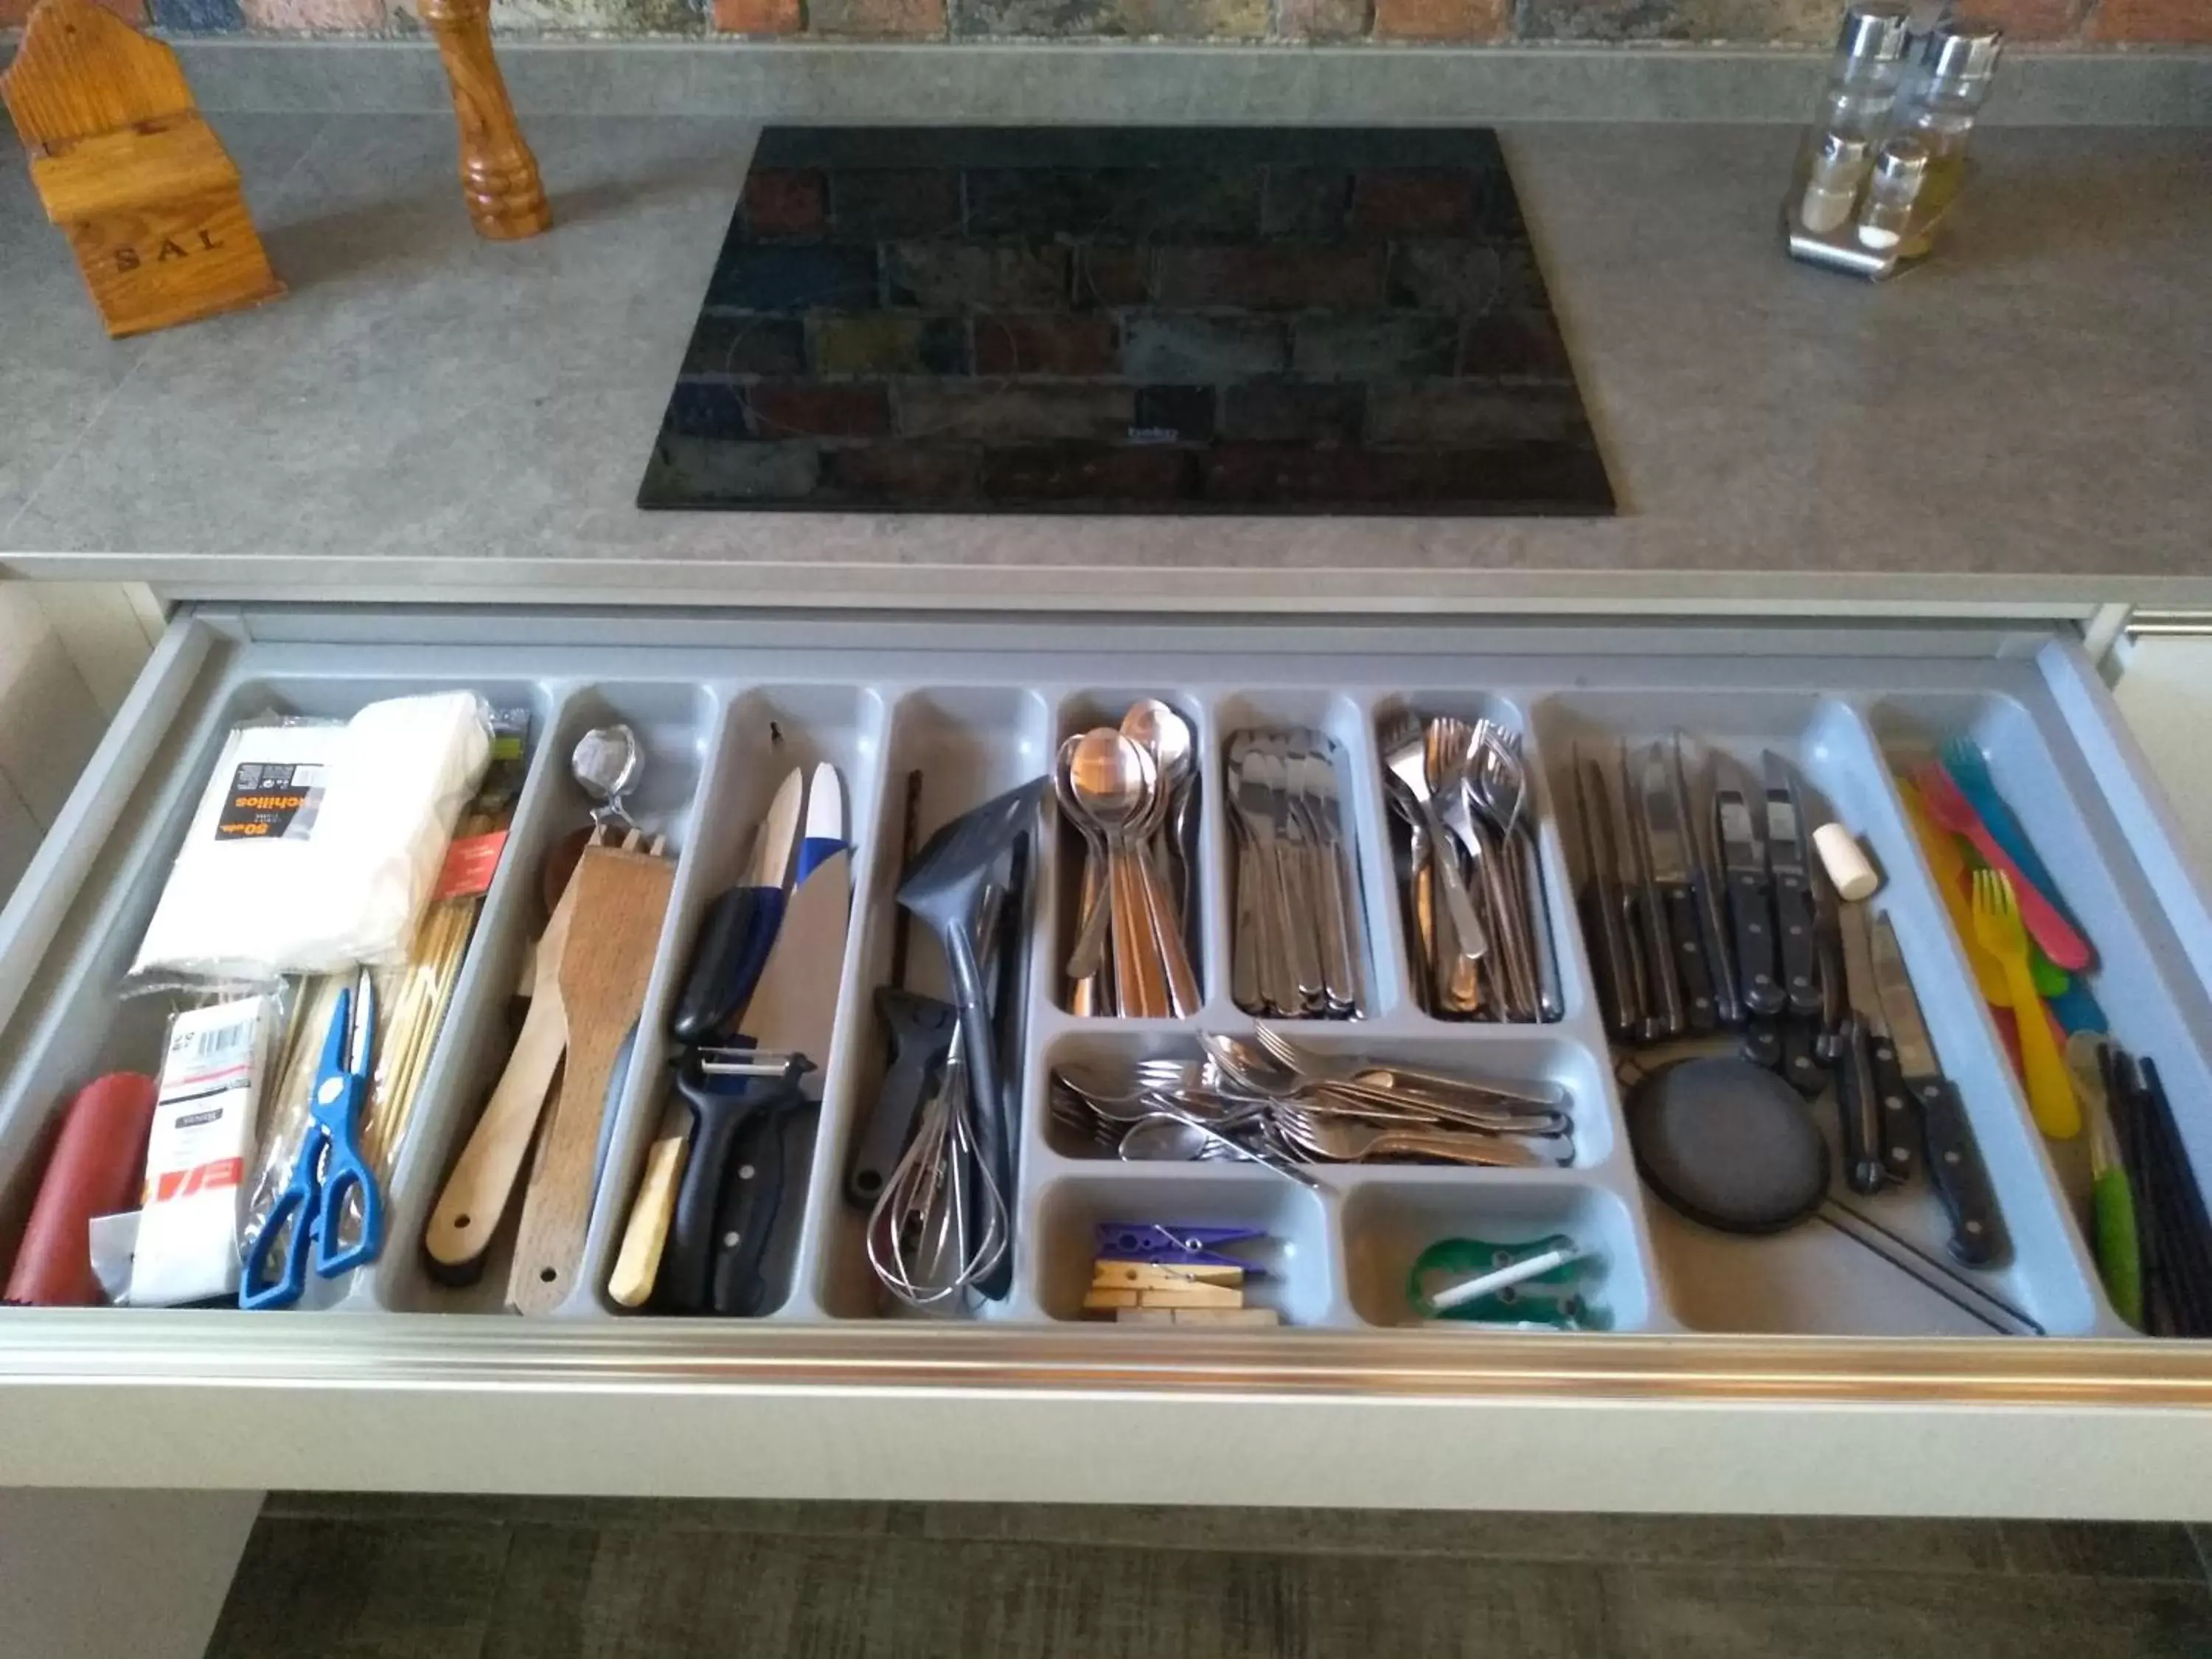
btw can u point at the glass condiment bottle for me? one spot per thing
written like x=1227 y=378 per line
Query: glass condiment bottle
x=1950 y=83
x=1861 y=89
x=1900 y=173
x=1831 y=183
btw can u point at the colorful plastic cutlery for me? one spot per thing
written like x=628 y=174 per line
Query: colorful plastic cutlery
x=2050 y=1091
x=1955 y=812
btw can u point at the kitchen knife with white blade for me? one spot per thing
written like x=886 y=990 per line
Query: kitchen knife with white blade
x=1979 y=1237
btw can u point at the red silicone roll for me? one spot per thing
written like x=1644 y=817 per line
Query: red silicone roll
x=97 y=1168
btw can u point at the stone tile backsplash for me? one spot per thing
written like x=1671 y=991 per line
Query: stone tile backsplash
x=1782 y=23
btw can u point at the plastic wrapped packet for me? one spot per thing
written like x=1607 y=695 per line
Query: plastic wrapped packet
x=204 y=1119
x=411 y=998
x=317 y=847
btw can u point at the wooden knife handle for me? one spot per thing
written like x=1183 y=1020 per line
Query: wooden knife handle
x=482 y=1183
x=646 y=1234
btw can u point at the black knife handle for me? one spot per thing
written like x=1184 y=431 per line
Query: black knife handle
x=1979 y=1237
x=920 y=1030
x=745 y=1216
x=1616 y=989
x=1720 y=963
x=1758 y=980
x=1859 y=1099
x=1800 y=1066
x=734 y=939
x=1762 y=1044
x=1663 y=1004
x=1693 y=968
x=1900 y=1135
x=1794 y=938
x=686 y=1279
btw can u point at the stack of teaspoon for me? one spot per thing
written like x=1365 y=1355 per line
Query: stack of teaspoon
x=1130 y=790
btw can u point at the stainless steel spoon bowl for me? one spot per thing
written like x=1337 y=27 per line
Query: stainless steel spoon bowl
x=605 y=765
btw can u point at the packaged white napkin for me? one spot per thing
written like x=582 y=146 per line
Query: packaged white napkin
x=317 y=846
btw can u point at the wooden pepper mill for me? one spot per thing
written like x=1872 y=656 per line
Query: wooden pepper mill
x=121 y=158
x=499 y=175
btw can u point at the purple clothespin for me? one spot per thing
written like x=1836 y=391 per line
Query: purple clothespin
x=1168 y=1244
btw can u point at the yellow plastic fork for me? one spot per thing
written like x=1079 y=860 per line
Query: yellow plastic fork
x=2050 y=1089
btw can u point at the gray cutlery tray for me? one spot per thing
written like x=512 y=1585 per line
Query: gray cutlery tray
x=980 y=707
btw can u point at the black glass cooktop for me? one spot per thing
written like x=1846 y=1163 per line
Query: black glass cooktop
x=1127 y=320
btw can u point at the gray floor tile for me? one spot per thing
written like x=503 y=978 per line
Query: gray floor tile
x=796 y=1519
x=1915 y=1545
x=669 y=1595
x=333 y=1589
x=1680 y=1612
x=2102 y=1549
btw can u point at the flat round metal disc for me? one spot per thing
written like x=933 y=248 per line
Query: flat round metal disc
x=1728 y=1144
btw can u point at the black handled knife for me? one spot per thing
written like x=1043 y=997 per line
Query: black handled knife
x=1751 y=909
x=1667 y=842
x=1787 y=856
x=1662 y=999
x=1877 y=1112
x=1706 y=890
x=1604 y=905
x=1979 y=1237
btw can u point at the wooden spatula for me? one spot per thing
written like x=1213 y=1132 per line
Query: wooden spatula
x=482 y=1178
x=617 y=900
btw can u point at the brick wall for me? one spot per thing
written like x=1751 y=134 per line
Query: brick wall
x=1043 y=335
x=1795 y=22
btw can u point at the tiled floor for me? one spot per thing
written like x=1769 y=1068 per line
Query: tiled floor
x=527 y=1579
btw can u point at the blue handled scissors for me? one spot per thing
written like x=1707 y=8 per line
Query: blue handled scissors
x=308 y=1213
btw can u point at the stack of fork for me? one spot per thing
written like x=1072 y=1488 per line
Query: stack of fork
x=1473 y=882
x=1270 y=1100
x=1294 y=947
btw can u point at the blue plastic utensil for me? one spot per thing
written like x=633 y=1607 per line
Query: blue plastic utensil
x=1170 y=1244
x=331 y=1167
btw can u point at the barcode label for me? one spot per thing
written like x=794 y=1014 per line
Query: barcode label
x=217 y=1041
x=215 y=1048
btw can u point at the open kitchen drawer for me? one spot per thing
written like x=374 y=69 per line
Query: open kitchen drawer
x=1791 y=1373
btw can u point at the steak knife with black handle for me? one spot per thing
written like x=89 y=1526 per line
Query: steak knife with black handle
x=1750 y=905
x=1665 y=840
x=1979 y=1237
x=1786 y=856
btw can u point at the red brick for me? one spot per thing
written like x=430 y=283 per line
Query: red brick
x=809 y=410
x=1285 y=474
x=1270 y=279
x=891 y=473
x=1112 y=276
x=1514 y=348
x=2167 y=22
x=2033 y=20
x=1322 y=20
x=756 y=16
x=785 y=204
x=1082 y=344
x=1087 y=472
x=1443 y=20
x=903 y=19
x=1413 y=203
x=985 y=413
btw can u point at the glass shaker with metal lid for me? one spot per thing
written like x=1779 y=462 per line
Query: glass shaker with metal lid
x=1854 y=109
x=1950 y=81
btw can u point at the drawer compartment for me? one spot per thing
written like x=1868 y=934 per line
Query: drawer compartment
x=725 y=707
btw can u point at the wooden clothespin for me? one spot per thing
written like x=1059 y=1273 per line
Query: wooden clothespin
x=122 y=160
